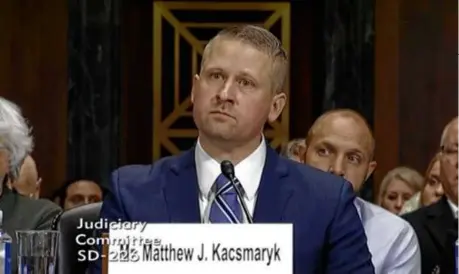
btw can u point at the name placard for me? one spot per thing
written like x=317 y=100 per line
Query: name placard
x=202 y=249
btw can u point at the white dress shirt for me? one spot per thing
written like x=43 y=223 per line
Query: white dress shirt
x=454 y=208
x=248 y=172
x=391 y=240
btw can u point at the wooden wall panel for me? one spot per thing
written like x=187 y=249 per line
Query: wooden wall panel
x=386 y=85
x=33 y=74
x=137 y=83
x=305 y=28
x=416 y=79
x=428 y=77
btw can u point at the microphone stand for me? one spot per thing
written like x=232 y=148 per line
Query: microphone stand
x=227 y=169
x=241 y=199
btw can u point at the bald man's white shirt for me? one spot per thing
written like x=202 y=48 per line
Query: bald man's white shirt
x=392 y=241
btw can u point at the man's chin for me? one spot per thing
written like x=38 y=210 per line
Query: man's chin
x=219 y=130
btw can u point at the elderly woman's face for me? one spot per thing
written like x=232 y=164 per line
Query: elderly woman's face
x=4 y=162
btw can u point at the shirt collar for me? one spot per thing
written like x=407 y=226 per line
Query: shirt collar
x=248 y=171
x=359 y=203
x=454 y=208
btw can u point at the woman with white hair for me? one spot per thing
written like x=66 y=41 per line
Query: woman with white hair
x=19 y=212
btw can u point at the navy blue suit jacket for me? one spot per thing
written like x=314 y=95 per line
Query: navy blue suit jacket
x=328 y=233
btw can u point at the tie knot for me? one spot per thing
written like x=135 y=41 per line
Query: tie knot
x=223 y=186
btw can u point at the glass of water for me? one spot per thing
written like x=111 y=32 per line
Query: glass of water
x=37 y=251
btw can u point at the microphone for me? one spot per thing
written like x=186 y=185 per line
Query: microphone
x=227 y=169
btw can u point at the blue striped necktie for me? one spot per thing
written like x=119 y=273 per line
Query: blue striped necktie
x=225 y=207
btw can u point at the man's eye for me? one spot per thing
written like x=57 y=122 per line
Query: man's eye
x=216 y=76
x=354 y=159
x=245 y=83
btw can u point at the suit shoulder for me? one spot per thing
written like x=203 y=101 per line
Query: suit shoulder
x=37 y=207
x=134 y=175
x=315 y=178
x=323 y=187
x=416 y=217
x=36 y=203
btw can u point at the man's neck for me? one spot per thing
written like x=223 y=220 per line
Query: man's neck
x=224 y=150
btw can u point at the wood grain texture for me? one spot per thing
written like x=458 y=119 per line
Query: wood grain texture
x=416 y=80
x=33 y=74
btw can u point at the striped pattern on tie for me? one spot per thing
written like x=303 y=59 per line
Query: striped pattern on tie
x=225 y=207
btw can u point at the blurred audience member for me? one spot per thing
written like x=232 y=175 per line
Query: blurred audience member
x=27 y=184
x=436 y=225
x=432 y=191
x=341 y=142
x=294 y=149
x=79 y=192
x=397 y=187
x=19 y=212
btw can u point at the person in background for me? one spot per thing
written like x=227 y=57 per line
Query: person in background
x=27 y=184
x=78 y=192
x=432 y=191
x=341 y=142
x=19 y=212
x=294 y=149
x=436 y=225
x=397 y=187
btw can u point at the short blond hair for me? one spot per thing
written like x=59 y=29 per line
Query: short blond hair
x=262 y=40
x=408 y=175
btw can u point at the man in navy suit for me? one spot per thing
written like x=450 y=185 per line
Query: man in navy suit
x=240 y=88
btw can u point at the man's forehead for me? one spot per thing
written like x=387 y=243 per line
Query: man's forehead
x=238 y=51
x=450 y=134
x=83 y=187
x=346 y=130
x=340 y=142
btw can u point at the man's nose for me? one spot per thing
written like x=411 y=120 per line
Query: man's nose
x=226 y=93
x=337 y=168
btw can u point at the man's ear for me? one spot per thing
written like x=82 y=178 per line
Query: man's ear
x=371 y=169
x=302 y=152
x=195 y=80
x=277 y=106
x=38 y=189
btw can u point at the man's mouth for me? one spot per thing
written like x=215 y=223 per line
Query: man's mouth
x=222 y=113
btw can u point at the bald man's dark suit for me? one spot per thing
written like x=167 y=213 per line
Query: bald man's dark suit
x=23 y=213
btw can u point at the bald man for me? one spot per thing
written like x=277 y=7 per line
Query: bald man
x=436 y=225
x=340 y=142
x=28 y=183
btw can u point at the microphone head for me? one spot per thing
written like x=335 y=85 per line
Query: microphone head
x=227 y=169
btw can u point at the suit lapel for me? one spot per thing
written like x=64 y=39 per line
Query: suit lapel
x=439 y=219
x=181 y=190
x=273 y=196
